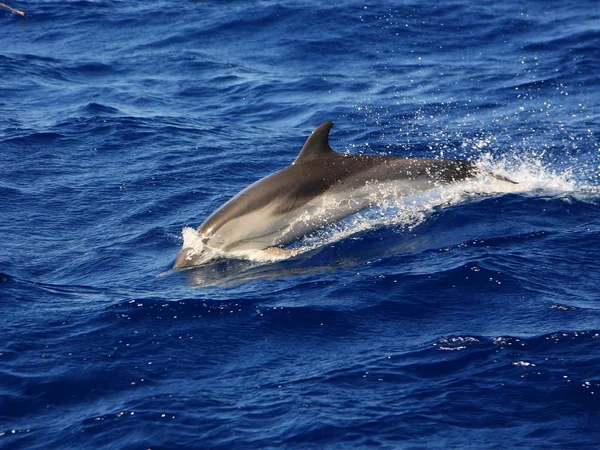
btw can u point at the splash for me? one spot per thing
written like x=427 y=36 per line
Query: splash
x=531 y=174
x=404 y=214
x=198 y=250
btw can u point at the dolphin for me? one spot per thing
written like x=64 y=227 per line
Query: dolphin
x=319 y=188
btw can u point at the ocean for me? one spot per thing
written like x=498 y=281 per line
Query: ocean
x=465 y=317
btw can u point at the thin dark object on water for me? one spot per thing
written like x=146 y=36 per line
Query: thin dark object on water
x=16 y=11
x=501 y=178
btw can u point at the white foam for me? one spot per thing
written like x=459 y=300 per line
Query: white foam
x=532 y=174
x=191 y=238
x=194 y=241
x=532 y=178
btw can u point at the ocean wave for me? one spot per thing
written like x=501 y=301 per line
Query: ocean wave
x=463 y=318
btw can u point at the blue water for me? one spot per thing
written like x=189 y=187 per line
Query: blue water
x=465 y=318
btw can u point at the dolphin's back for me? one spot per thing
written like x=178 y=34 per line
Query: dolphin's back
x=353 y=172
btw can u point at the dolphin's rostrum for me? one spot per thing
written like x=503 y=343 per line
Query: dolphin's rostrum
x=320 y=187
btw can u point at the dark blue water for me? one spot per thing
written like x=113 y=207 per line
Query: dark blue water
x=465 y=318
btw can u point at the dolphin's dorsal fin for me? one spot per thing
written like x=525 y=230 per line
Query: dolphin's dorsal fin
x=317 y=144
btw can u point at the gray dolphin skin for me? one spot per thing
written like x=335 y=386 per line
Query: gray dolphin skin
x=319 y=188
